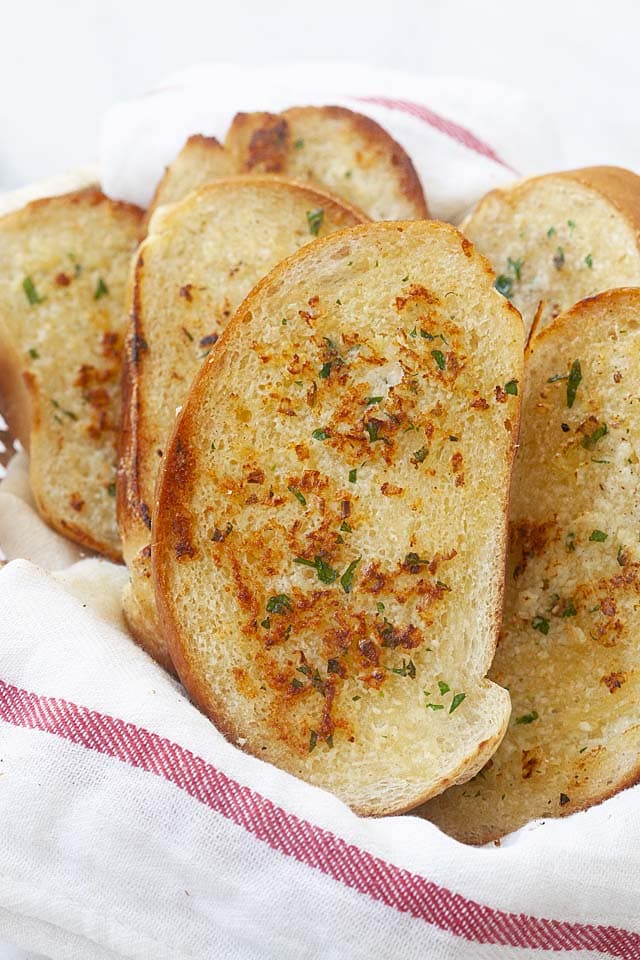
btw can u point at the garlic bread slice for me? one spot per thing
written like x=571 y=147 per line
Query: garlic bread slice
x=200 y=260
x=556 y=239
x=569 y=652
x=330 y=525
x=65 y=262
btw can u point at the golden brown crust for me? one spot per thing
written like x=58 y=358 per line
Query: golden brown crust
x=621 y=188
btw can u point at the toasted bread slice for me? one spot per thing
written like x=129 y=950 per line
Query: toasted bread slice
x=331 y=515
x=340 y=150
x=200 y=260
x=201 y=160
x=569 y=652
x=561 y=237
x=65 y=262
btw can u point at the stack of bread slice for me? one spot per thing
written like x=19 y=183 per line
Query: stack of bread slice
x=317 y=544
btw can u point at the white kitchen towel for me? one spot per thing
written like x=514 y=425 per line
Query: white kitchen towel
x=464 y=135
x=130 y=828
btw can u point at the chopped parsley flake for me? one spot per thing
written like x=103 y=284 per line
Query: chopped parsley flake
x=371 y=400
x=408 y=669
x=380 y=606
x=320 y=434
x=111 y=489
x=569 y=610
x=280 y=603
x=575 y=378
x=511 y=388
x=30 y=291
x=457 y=700
x=527 y=717
x=298 y=144
x=347 y=577
x=571 y=224
x=313 y=739
x=439 y=358
x=570 y=541
x=67 y=413
x=325 y=370
x=353 y=475
x=516 y=266
x=33 y=353
x=590 y=441
x=420 y=455
x=443 y=687
x=404 y=279
x=344 y=526
x=551 y=232
x=504 y=285
x=433 y=706
x=314 y=219
x=541 y=624
x=326 y=574
x=296 y=684
x=589 y=261
x=266 y=623
x=101 y=290
x=598 y=536
x=297 y=495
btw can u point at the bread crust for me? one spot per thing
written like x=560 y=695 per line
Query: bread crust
x=174 y=490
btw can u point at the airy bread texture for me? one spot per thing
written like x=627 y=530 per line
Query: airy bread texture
x=557 y=239
x=569 y=652
x=331 y=515
x=65 y=262
x=200 y=260
x=331 y=147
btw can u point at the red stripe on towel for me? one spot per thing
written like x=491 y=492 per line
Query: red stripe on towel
x=309 y=844
x=440 y=123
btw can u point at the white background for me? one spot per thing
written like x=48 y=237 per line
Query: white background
x=62 y=63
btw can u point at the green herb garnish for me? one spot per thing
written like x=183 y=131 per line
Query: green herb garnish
x=326 y=574
x=575 y=378
x=353 y=475
x=444 y=687
x=313 y=739
x=541 y=624
x=589 y=261
x=298 y=144
x=371 y=400
x=31 y=293
x=551 y=232
x=457 y=700
x=511 y=388
x=372 y=428
x=569 y=610
x=33 y=353
x=504 y=285
x=598 y=536
x=314 y=219
x=297 y=495
x=408 y=669
x=111 y=489
x=439 y=358
x=589 y=442
x=102 y=290
x=570 y=541
x=420 y=455
x=527 y=717
x=325 y=370
x=320 y=434
x=347 y=577
x=280 y=603
x=516 y=266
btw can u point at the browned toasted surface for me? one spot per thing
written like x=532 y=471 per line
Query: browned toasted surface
x=335 y=148
x=569 y=652
x=201 y=258
x=65 y=261
x=329 y=529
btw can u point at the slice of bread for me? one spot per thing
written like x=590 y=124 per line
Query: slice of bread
x=561 y=237
x=331 y=147
x=331 y=516
x=200 y=260
x=569 y=652
x=65 y=262
x=201 y=160
x=335 y=148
